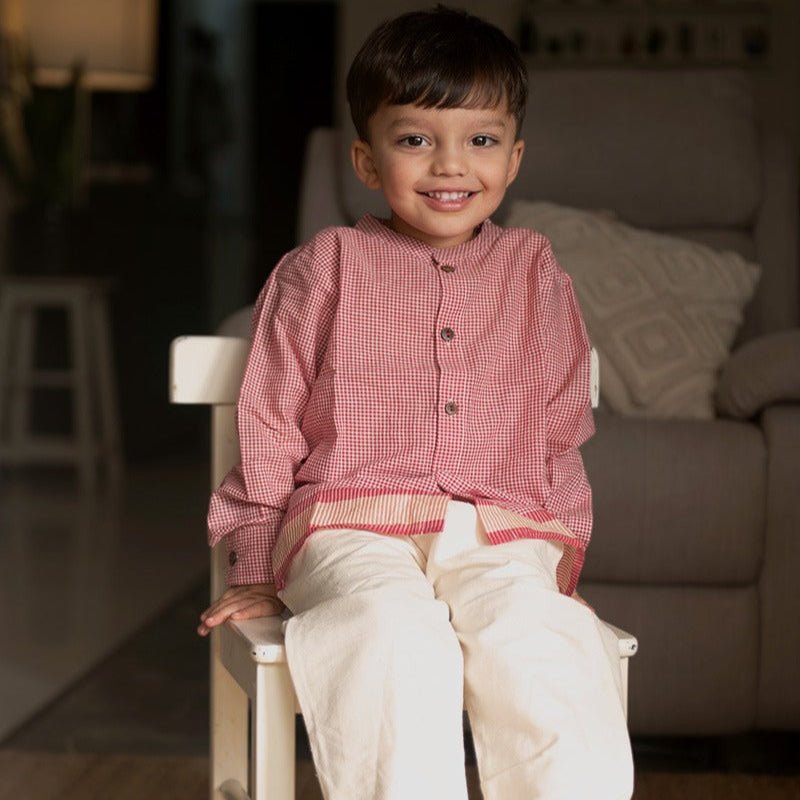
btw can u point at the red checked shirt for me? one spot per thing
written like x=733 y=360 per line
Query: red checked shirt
x=386 y=377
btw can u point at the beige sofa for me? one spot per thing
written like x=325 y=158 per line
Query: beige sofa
x=697 y=537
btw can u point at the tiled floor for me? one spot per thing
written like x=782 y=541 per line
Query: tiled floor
x=148 y=698
x=79 y=575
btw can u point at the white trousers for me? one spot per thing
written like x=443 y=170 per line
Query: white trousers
x=393 y=636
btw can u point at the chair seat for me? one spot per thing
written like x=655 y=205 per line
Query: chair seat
x=262 y=640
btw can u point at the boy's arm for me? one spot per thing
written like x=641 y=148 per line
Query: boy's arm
x=291 y=322
x=569 y=415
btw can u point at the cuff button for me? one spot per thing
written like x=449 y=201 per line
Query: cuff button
x=232 y=558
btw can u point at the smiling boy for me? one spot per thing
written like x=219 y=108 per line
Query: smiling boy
x=443 y=171
x=410 y=484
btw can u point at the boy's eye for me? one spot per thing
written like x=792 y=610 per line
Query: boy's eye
x=413 y=140
x=483 y=140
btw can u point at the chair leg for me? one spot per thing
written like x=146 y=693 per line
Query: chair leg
x=22 y=394
x=7 y=313
x=623 y=668
x=85 y=438
x=231 y=790
x=103 y=369
x=272 y=740
x=229 y=721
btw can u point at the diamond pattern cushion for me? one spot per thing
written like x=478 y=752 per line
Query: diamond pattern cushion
x=661 y=311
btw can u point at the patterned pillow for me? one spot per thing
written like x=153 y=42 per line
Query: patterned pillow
x=662 y=312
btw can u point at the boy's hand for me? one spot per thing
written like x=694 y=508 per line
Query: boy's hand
x=241 y=602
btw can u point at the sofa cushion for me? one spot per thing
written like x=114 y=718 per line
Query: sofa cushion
x=697 y=667
x=661 y=311
x=676 y=502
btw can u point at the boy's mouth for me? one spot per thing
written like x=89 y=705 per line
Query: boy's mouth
x=448 y=197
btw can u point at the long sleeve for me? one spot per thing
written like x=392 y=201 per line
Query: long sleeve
x=291 y=321
x=569 y=416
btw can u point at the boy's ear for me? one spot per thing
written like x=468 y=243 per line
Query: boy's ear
x=513 y=163
x=364 y=164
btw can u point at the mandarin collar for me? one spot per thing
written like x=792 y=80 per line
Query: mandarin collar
x=468 y=252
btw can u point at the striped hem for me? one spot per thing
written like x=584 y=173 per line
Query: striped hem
x=503 y=525
x=405 y=514
x=411 y=514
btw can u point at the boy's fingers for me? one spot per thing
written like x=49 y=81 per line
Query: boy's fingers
x=257 y=607
x=234 y=595
x=222 y=611
x=245 y=609
x=227 y=609
x=263 y=608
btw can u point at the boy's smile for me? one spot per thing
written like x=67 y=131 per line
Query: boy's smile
x=443 y=171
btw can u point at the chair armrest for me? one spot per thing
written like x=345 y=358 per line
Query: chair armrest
x=206 y=370
x=261 y=638
x=628 y=644
x=763 y=371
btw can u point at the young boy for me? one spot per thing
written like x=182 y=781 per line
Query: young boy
x=410 y=483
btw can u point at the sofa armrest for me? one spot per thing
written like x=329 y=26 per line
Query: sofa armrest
x=763 y=371
x=320 y=205
x=779 y=600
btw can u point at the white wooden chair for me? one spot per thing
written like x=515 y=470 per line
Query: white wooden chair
x=253 y=704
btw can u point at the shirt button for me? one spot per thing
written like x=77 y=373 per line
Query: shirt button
x=232 y=557
x=450 y=407
x=448 y=268
x=447 y=334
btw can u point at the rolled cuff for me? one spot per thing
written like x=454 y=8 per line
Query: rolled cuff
x=249 y=557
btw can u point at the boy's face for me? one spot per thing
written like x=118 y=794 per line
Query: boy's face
x=443 y=171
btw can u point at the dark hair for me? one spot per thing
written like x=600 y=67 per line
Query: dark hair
x=442 y=58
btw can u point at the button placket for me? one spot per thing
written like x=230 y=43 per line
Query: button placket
x=448 y=355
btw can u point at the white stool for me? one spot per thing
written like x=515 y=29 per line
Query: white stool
x=95 y=435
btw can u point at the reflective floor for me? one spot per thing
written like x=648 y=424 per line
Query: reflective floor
x=80 y=574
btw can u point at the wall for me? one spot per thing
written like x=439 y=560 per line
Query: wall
x=779 y=82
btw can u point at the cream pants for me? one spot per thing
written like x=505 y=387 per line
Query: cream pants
x=393 y=636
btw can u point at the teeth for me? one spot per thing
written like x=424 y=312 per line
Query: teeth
x=448 y=195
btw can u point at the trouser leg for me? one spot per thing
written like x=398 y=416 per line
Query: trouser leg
x=377 y=669
x=541 y=691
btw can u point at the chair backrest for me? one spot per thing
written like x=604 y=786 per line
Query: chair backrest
x=207 y=370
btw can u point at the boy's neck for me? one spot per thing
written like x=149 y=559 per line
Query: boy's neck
x=400 y=227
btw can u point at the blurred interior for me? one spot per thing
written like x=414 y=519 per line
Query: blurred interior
x=188 y=143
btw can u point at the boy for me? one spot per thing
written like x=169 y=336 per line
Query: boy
x=410 y=484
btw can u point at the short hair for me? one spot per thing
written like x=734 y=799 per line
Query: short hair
x=440 y=58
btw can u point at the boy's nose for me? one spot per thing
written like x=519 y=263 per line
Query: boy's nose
x=449 y=161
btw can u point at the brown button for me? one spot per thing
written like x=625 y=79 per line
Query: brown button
x=450 y=408
x=447 y=334
x=232 y=557
x=448 y=268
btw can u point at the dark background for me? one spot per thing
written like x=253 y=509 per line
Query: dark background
x=156 y=237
